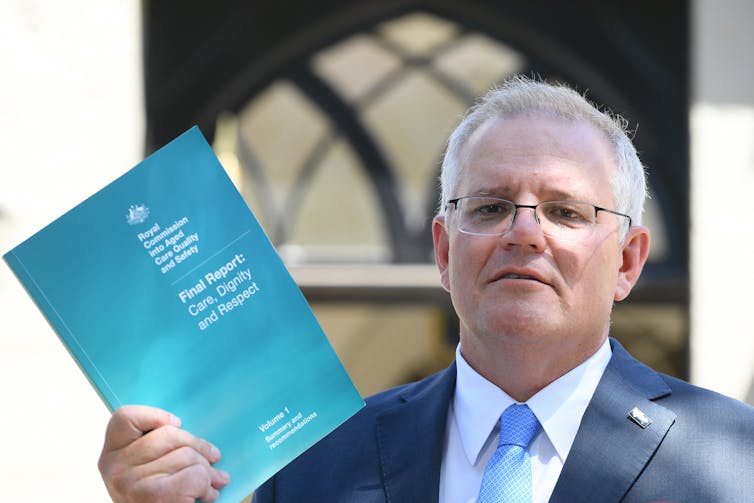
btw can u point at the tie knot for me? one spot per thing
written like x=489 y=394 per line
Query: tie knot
x=518 y=426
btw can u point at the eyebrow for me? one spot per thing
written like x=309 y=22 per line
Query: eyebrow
x=561 y=195
x=551 y=194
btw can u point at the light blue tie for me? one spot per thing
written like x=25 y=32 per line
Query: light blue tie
x=507 y=477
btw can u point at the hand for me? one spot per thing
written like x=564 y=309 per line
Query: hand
x=147 y=458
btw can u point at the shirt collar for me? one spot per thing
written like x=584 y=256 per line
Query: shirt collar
x=559 y=407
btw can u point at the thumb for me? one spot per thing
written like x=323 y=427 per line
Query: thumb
x=131 y=422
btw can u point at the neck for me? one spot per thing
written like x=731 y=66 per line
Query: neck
x=522 y=367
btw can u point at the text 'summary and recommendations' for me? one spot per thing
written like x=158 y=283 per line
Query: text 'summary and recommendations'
x=284 y=425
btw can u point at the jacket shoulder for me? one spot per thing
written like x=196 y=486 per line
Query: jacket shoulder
x=706 y=454
x=709 y=406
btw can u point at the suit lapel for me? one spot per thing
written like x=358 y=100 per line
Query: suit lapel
x=610 y=449
x=411 y=437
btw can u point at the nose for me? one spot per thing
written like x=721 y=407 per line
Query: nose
x=525 y=230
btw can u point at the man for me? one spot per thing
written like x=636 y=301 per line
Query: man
x=539 y=232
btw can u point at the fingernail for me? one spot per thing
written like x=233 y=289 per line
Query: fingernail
x=175 y=421
x=215 y=452
x=225 y=476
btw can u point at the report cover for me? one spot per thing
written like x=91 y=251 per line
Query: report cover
x=166 y=291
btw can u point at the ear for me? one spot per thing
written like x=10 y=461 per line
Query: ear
x=634 y=255
x=442 y=246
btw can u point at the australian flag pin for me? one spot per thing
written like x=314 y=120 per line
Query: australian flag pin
x=638 y=417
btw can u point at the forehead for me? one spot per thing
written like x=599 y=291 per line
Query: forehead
x=544 y=156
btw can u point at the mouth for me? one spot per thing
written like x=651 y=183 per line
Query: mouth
x=520 y=275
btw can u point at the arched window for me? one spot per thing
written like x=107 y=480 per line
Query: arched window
x=333 y=124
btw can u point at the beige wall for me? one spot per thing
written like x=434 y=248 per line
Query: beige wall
x=70 y=120
x=722 y=184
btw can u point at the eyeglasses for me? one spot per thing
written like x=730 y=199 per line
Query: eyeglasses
x=493 y=216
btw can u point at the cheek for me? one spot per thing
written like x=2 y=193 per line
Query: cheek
x=593 y=278
x=571 y=263
x=591 y=271
x=466 y=259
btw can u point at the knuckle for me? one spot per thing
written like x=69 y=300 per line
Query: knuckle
x=196 y=480
x=160 y=492
x=103 y=465
x=154 y=444
x=170 y=435
x=187 y=456
x=120 y=417
x=116 y=477
x=121 y=485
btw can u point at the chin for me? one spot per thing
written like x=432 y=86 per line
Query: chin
x=524 y=314
x=524 y=326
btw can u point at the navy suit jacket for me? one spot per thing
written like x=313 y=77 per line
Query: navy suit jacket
x=699 y=446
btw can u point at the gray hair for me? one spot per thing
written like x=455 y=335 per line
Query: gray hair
x=521 y=96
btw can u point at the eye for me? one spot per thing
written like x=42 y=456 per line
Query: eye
x=485 y=208
x=568 y=213
x=491 y=208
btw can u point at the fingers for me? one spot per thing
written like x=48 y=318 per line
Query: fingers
x=130 y=422
x=182 y=475
x=147 y=457
x=194 y=480
x=163 y=440
x=219 y=478
x=187 y=471
x=196 y=484
x=185 y=486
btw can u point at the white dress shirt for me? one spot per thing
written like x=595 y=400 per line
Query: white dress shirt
x=473 y=427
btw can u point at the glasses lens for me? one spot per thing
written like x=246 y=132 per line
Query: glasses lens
x=567 y=219
x=484 y=216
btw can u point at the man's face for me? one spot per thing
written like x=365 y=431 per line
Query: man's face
x=525 y=286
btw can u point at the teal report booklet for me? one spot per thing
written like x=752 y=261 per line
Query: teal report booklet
x=166 y=291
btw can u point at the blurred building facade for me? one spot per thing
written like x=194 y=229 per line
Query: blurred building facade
x=332 y=117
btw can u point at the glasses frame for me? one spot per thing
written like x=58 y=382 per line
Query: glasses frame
x=533 y=207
